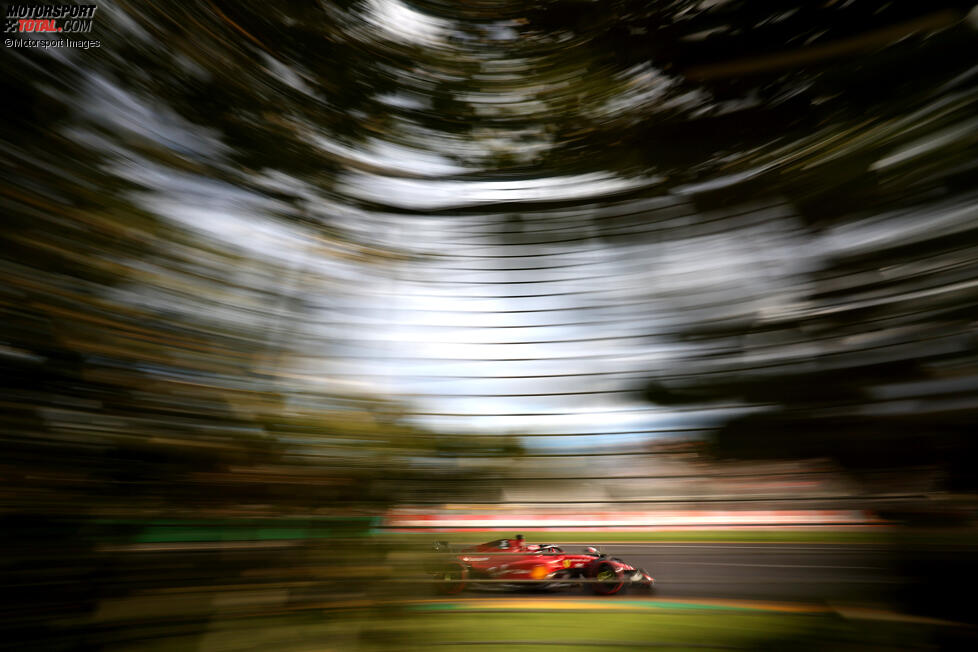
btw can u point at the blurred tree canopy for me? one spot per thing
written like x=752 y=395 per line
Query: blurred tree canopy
x=138 y=349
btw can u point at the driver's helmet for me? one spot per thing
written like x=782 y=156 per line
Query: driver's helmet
x=591 y=550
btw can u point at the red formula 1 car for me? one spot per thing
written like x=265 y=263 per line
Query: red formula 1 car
x=513 y=563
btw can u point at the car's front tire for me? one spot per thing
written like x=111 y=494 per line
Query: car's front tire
x=607 y=579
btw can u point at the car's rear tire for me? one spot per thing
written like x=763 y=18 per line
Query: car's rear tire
x=451 y=579
x=607 y=579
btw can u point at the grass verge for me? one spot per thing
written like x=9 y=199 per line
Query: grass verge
x=404 y=628
x=837 y=536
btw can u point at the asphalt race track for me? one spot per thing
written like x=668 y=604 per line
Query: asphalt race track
x=793 y=572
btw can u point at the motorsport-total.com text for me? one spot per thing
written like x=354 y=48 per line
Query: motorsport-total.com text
x=66 y=19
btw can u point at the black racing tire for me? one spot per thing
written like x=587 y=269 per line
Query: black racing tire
x=607 y=579
x=451 y=579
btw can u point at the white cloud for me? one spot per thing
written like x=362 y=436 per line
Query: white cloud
x=436 y=194
x=402 y=23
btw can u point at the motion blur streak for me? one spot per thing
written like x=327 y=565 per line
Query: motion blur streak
x=276 y=271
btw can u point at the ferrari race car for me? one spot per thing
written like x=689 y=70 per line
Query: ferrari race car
x=514 y=564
